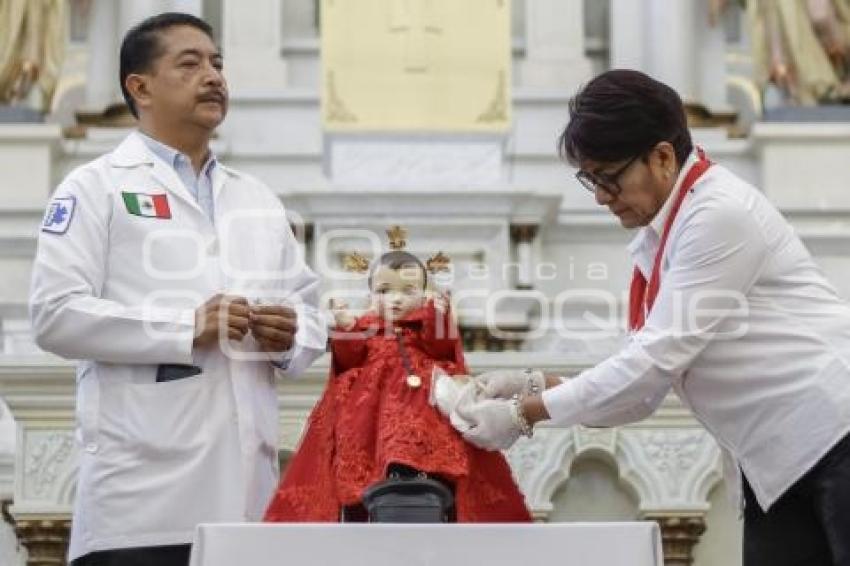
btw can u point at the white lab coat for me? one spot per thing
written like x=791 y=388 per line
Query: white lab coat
x=118 y=291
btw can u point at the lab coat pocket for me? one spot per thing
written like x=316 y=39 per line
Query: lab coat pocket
x=168 y=418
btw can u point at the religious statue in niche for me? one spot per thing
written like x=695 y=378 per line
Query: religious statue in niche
x=377 y=421
x=801 y=48
x=32 y=44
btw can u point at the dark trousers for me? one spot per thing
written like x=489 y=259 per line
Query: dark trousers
x=810 y=524
x=176 y=555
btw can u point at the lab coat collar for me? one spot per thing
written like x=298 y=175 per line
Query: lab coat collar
x=134 y=152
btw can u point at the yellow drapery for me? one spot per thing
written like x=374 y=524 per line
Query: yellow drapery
x=32 y=46
x=787 y=50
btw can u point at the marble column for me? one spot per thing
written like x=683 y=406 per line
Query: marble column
x=629 y=34
x=102 y=87
x=711 y=61
x=523 y=237
x=253 y=37
x=672 y=42
x=554 y=52
x=673 y=45
x=132 y=12
x=109 y=21
x=193 y=7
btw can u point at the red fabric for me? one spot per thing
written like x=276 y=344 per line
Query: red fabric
x=368 y=418
x=642 y=295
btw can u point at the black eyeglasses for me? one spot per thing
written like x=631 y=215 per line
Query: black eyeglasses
x=608 y=183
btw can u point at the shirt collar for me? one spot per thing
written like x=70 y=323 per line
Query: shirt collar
x=173 y=156
x=644 y=245
x=657 y=223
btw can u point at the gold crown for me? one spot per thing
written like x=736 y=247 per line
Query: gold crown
x=398 y=238
x=397 y=235
x=438 y=262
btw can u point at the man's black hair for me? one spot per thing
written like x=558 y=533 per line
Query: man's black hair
x=396 y=260
x=141 y=45
x=621 y=114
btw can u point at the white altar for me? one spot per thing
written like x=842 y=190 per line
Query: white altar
x=577 y=544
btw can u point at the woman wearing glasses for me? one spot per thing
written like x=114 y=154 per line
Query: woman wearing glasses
x=727 y=308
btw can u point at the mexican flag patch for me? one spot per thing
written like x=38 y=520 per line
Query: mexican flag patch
x=151 y=206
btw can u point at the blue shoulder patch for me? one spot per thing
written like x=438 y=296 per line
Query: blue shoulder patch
x=59 y=213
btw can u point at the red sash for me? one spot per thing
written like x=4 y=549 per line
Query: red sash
x=641 y=295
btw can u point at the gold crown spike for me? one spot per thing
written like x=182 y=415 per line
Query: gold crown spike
x=355 y=262
x=438 y=262
x=398 y=238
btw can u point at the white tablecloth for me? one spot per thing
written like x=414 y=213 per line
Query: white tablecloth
x=561 y=544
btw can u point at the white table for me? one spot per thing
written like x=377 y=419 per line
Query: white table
x=561 y=544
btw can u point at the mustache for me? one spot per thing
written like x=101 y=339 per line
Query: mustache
x=218 y=95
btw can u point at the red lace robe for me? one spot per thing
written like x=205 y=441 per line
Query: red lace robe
x=369 y=417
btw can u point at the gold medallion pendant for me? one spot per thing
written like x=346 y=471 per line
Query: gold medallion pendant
x=414 y=381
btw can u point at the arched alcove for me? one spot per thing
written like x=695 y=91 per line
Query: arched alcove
x=594 y=491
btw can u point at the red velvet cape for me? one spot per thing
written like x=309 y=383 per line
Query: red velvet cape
x=369 y=417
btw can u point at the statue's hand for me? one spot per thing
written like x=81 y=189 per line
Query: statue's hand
x=342 y=316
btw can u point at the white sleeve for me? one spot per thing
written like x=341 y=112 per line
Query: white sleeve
x=302 y=285
x=67 y=314
x=714 y=261
x=619 y=416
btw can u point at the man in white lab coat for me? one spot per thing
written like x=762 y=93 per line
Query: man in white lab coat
x=727 y=308
x=178 y=283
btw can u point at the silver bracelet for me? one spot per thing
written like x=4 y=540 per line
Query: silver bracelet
x=518 y=416
x=532 y=386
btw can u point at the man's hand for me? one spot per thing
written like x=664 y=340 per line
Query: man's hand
x=222 y=315
x=274 y=327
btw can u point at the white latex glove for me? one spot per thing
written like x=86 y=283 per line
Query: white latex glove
x=467 y=395
x=506 y=383
x=490 y=423
x=446 y=390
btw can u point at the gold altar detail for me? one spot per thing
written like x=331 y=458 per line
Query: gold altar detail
x=679 y=536
x=45 y=538
x=416 y=65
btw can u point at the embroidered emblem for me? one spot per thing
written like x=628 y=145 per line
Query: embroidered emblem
x=149 y=206
x=59 y=214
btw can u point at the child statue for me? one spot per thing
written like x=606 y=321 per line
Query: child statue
x=375 y=420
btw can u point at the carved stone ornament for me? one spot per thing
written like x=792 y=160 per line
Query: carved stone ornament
x=45 y=460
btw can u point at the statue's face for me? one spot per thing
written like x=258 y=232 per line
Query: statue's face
x=396 y=292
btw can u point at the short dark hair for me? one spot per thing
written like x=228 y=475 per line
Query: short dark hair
x=621 y=114
x=397 y=259
x=141 y=45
